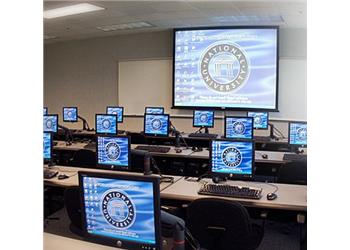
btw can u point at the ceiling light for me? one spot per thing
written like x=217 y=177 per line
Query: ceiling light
x=125 y=26
x=252 y=18
x=71 y=10
x=47 y=37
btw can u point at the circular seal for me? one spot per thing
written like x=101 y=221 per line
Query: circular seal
x=258 y=120
x=302 y=133
x=118 y=209
x=203 y=118
x=112 y=150
x=238 y=127
x=224 y=67
x=156 y=124
x=231 y=157
x=106 y=124
x=49 y=123
x=70 y=114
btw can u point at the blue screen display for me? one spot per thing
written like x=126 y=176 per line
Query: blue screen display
x=50 y=123
x=203 y=118
x=152 y=110
x=106 y=124
x=234 y=68
x=121 y=209
x=239 y=128
x=113 y=150
x=260 y=119
x=232 y=157
x=47 y=145
x=156 y=124
x=45 y=111
x=298 y=133
x=116 y=111
x=70 y=114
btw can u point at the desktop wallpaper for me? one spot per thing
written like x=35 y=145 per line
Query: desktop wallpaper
x=70 y=114
x=298 y=133
x=203 y=118
x=150 y=110
x=106 y=124
x=47 y=145
x=116 y=111
x=156 y=124
x=50 y=123
x=239 y=128
x=113 y=151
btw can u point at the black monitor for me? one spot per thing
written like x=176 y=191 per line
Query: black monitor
x=47 y=146
x=261 y=119
x=297 y=134
x=203 y=118
x=156 y=125
x=239 y=127
x=121 y=210
x=113 y=152
x=154 y=110
x=106 y=124
x=70 y=114
x=115 y=110
x=50 y=123
x=232 y=158
x=45 y=111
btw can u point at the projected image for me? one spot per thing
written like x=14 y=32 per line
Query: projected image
x=50 y=123
x=203 y=118
x=70 y=114
x=154 y=110
x=156 y=124
x=116 y=111
x=121 y=209
x=47 y=146
x=232 y=157
x=227 y=67
x=106 y=124
x=297 y=133
x=261 y=119
x=239 y=127
x=113 y=151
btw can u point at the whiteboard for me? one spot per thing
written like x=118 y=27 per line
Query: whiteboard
x=144 y=83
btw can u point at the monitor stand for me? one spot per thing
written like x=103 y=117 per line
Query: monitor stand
x=272 y=136
x=86 y=126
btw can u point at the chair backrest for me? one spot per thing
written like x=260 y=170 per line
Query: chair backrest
x=72 y=204
x=84 y=158
x=294 y=172
x=219 y=224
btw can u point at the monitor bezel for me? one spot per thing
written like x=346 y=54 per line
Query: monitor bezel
x=110 y=166
x=116 y=125
x=276 y=27
x=154 y=108
x=238 y=117
x=51 y=148
x=76 y=120
x=56 y=120
x=233 y=176
x=268 y=117
x=110 y=241
x=155 y=135
x=196 y=126
x=295 y=145
x=117 y=116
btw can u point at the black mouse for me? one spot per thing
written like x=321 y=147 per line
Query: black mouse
x=271 y=196
x=264 y=156
x=62 y=176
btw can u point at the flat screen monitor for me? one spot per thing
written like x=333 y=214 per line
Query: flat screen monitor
x=226 y=68
x=261 y=119
x=203 y=118
x=154 y=110
x=239 y=127
x=45 y=110
x=232 y=158
x=156 y=125
x=50 y=123
x=70 y=114
x=47 y=146
x=114 y=110
x=113 y=152
x=106 y=124
x=121 y=210
x=297 y=134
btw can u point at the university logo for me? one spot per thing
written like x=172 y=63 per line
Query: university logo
x=106 y=124
x=203 y=118
x=231 y=157
x=70 y=114
x=258 y=120
x=49 y=124
x=118 y=209
x=302 y=133
x=224 y=67
x=238 y=127
x=156 y=124
x=112 y=150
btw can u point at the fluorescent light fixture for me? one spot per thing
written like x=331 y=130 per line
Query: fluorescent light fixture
x=71 y=10
x=252 y=19
x=125 y=26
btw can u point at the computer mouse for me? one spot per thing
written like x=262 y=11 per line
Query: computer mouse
x=178 y=150
x=62 y=176
x=271 y=196
x=264 y=156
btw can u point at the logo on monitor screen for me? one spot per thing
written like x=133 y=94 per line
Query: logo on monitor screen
x=231 y=157
x=70 y=114
x=118 y=209
x=302 y=133
x=203 y=118
x=49 y=124
x=156 y=124
x=238 y=127
x=258 y=120
x=224 y=67
x=112 y=150
x=106 y=124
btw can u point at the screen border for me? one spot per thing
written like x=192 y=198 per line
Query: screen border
x=116 y=107
x=268 y=119
x=203 y=126
x=155 y=135
x=154 y=108
x=296 y=145
x=239 y=117
x=116 y=125
x=69 y=120
x=56 y=120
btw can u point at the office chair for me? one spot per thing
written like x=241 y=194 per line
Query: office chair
x=220 y=224
x=294 y=172
x=72 y=204
x=84 y=158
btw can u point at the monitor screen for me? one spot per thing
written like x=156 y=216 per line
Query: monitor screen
x=297 y=133
x=47 y=147
x=156 y=125
x=261 y=119
x=113 y=152
x=202 y=118
x=50 y=123
x=230 y=157
x=46 y=110
x=226 y=68
x=239 y=127
x=154 y=110
x=70 y=114
x=122 y=209
x=106 y=124
x=113 y=110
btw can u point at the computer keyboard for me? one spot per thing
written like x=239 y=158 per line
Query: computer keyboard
x=230 y=191
x=49 y=174
x=294 y=157
x=202 y=135
x=262 y=138
x=156 y=149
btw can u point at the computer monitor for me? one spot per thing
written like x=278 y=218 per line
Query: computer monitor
x=113 y=152
x=50 y=123
x=70 y=114
x=297 y=134
x=114 y=110
x=121 y=210
x=156 y=125
x=203 y=118
x=45 y=111
x=239 y=127
x=47 y=146
x=261 y=119
x=154 y=110
x=233 y=158
x=106 y=124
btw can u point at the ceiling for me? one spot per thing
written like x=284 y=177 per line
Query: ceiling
x=165 y=15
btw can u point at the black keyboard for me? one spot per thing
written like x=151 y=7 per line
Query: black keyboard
x=202 y=135
x=231 y=191
x=294 y=157
x=262 y=138
x=49 y=174
x=156 y=149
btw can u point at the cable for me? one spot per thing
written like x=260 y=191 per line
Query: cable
x=279 y=132
x=162 y=178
